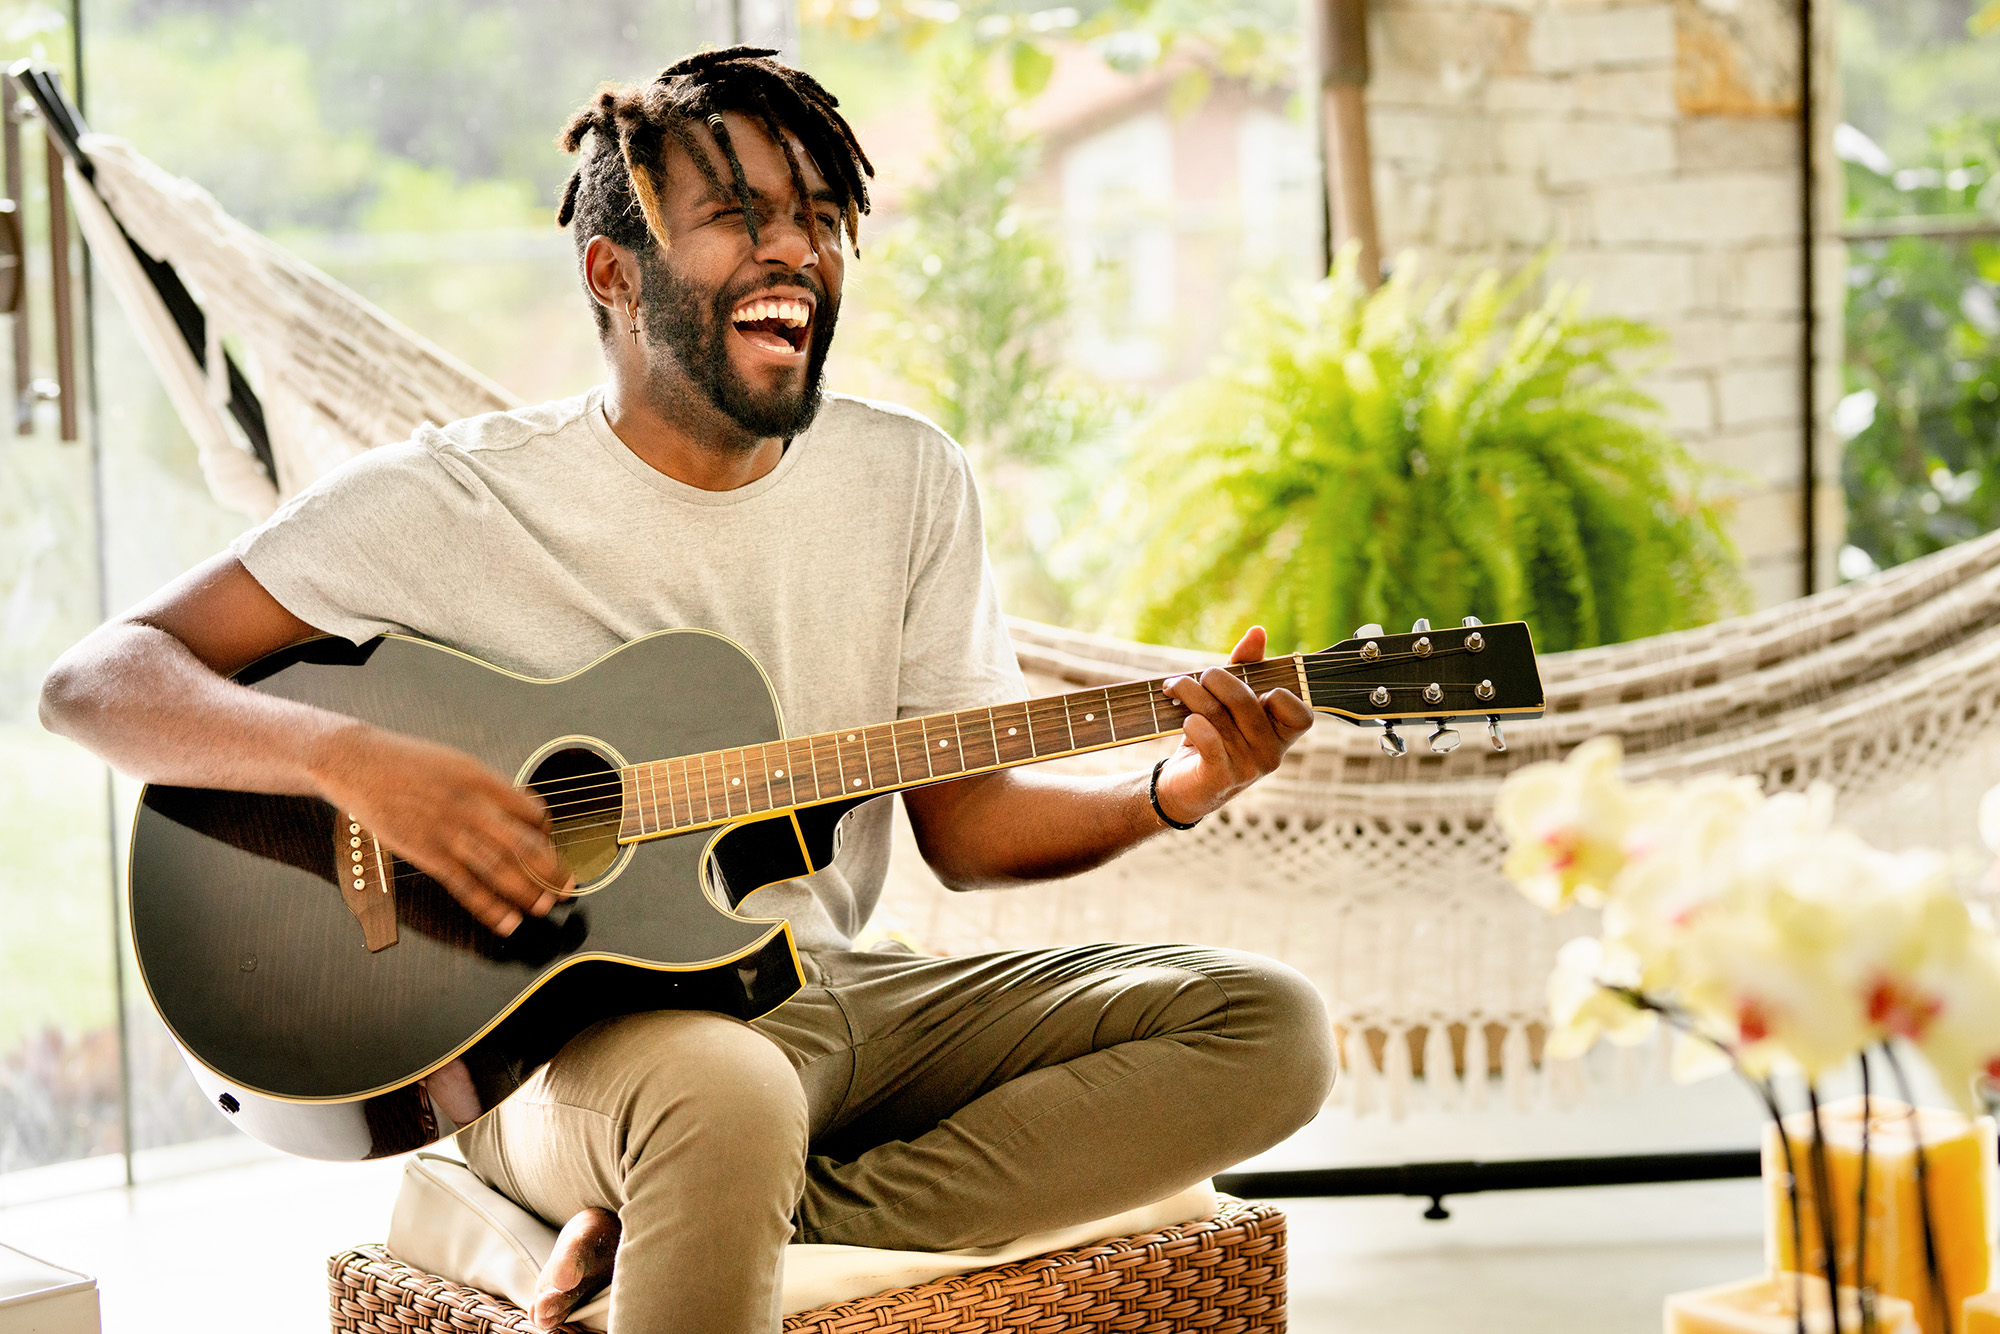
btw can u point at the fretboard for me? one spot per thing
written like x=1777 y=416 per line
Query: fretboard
x=688 y=792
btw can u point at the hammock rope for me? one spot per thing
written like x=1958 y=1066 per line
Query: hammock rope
x=1378 y=878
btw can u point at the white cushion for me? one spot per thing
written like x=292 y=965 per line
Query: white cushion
x=450 y=1223
x=40 y=1298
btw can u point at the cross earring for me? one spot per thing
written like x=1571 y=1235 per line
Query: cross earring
x=633 y=315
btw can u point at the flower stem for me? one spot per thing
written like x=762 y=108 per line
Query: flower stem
x=1769 y=1094
x=1863 y=1294
x=1829 y=1232
x=1932 y=1269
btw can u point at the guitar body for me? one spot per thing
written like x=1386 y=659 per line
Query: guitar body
x=263 y=945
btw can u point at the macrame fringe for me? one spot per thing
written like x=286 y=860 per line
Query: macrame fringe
x=1359 y=1075
x=1440 y=1073
x=1477 y=1065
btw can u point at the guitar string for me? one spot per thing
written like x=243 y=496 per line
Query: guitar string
x=586 y=794
x=580 y=793
x=1035 y=714
x=573 y=829
x=1131 y=692
x=708 y=792
x=1050 y=707
x=1279 y=669
x=407 y=873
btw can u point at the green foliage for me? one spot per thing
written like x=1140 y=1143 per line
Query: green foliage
x=236 y=111
x=1921 y=465
x=1909 y=65
x=291 y=112
x=1414 y=453
x=431 y=199
x=1252 y=39
x=976 y=295
x=37 y=30
x=970 y=301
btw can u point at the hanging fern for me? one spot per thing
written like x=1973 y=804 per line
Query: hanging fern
x=1377 y=457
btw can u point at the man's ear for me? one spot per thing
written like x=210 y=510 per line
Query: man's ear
x=611 y=272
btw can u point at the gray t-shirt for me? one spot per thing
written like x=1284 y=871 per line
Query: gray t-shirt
x=854 y=571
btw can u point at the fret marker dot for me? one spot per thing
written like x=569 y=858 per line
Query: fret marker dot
x=781 y=773
x=857 y=782
x=736 y=782
x=1010 y=731
x=1089 y=717
x=850 y=736
x=943 y=744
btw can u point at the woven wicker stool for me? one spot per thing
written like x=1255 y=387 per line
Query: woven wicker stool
x=1220 y=1275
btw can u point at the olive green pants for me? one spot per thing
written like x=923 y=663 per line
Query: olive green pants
x=904 y=1102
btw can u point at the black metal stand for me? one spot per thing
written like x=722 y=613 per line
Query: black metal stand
x=1437 y=1180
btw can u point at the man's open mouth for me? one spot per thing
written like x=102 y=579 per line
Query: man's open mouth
x=780 y=324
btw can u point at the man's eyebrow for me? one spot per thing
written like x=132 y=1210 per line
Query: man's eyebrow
x=728 y=199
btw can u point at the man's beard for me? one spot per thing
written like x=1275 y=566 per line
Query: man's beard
x=693 y=333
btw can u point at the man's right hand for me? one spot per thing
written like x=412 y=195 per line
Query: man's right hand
x=448 y=815
x=147 y=692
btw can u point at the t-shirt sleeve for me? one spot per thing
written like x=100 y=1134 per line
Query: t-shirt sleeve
x=956 y=652
x=345 y=554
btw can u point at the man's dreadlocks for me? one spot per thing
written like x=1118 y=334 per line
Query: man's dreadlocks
x=614 y=192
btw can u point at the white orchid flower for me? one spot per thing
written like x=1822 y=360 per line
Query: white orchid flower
x=1566 y=825
x=1773 y=971
x=1583 y=1005
x=1946 y=997
x=1785 y=938
x=1679 y=852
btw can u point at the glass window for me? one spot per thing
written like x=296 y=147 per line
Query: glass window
x=1920 y=146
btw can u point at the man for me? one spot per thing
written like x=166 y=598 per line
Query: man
x=897 y=1100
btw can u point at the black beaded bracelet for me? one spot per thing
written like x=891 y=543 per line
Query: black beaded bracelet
x=1166 y=819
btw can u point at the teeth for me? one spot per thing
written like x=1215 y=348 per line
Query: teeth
x=795 y=313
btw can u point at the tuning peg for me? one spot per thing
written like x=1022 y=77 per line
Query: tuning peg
x=1422 y=626
x=1443 y=741
x=1369 y=631
x=1393 y=744
x=1493 y=733
x=1470 y=621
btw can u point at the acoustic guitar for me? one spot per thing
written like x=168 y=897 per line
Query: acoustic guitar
x=336 y=1003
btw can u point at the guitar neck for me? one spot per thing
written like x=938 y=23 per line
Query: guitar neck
x=674 y=796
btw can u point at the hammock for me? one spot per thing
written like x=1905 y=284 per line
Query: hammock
x=1379 y=879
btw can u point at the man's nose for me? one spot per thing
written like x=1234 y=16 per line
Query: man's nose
x=786 y=240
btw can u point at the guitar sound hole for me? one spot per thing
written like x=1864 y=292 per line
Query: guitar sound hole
x=585 y=796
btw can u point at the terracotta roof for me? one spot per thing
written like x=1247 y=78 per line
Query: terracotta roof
x=1084 y=94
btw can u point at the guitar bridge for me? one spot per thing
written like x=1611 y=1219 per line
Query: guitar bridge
x=367 y=874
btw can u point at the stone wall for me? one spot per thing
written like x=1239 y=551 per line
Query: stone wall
x=1657 y=144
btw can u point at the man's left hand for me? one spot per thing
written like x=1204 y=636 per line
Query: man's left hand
x=1232 y=738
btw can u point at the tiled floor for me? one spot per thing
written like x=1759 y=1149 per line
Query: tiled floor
x=244 y=1246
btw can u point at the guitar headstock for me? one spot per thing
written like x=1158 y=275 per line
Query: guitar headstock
x=1472 y=673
